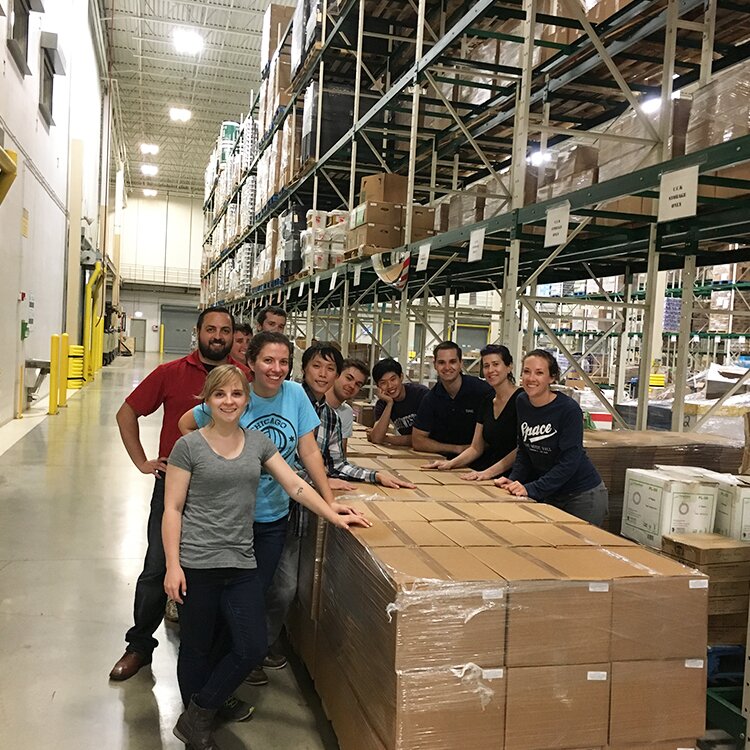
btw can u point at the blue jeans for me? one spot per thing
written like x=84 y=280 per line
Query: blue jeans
x=150 y=599
x=268 y=542
x=231 y=597
x=591 y=505
x=284 y=587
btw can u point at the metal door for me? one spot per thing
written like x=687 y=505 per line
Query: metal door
x=178 y=323
x=138 y=332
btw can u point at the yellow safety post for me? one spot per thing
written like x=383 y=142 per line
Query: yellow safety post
x=54 y=372
x=21 y=392
x=88 y=322
x=161 y=340
x=64 y=347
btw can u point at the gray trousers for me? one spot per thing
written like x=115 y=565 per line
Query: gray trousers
x=590 y=506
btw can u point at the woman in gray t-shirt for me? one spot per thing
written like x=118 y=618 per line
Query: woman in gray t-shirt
x=209 y=506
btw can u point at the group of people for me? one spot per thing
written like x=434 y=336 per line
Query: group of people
x=246 y=453
x=528 y=439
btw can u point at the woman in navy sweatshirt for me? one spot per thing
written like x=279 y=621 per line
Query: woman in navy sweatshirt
x=551 y=464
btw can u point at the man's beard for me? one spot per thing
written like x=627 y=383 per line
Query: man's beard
x=215 y=355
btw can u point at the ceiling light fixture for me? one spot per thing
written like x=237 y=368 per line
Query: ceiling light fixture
x=149 y=148
x=150 y=170
x=180 y=115
x=148 y=193
x=187 y=41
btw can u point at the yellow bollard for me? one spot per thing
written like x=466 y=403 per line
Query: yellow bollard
x=161 y=340
x=54 y=372
x=63 y=397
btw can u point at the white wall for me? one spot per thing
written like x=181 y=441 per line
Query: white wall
x=36 y=263
x=162 y=232
x=149 y=303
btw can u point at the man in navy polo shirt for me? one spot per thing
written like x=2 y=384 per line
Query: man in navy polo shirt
x=447 y=416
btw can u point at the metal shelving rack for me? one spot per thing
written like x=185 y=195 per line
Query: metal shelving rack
x=645 y=49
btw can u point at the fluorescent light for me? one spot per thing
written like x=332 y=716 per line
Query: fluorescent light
x=138 y=314
x=150 y=170
x=149 y=193
x=649 y=106
x=187 y=41
x=149 y=148
x=180 y=115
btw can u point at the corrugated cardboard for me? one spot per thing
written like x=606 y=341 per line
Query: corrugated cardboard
x=657 y=503
x=310 y=566
x=557 y=707
x=642 y=710
x=385 y=187
x=375 y=235
x=703 y=549
x=390 y=610
x=376 y=212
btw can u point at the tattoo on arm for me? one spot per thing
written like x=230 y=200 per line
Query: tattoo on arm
x=299 y=492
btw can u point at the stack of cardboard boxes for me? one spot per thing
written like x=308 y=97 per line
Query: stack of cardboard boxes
x=378 y=222
x=499 y=625
x=727 y=563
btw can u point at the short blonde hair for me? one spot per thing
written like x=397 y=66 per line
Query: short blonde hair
x=220 y=376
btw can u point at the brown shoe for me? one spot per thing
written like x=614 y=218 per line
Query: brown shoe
x=130 y=662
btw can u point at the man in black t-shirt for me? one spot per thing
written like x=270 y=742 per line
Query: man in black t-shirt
x=447 y=416
x=398 y=403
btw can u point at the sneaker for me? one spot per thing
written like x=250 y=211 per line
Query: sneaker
x=274 y=661
x=257 y=677
x=235 y=710
x=170 y=611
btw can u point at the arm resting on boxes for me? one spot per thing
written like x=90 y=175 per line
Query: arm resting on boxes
x=421 y=441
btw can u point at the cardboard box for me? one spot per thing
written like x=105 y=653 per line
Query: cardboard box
x=310 y=566
x=733 y=509
x=557 y=707
x=658 y=502
x=364 y=413
x=302 y=632
x=642 y=710
x=375 y=212
x=401 y=619
x=275 y=20
x=385 y=187
x=374 y=235
x=705 y=549
x=422 y=217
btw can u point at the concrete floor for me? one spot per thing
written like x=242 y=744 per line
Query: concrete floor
x=73 y=513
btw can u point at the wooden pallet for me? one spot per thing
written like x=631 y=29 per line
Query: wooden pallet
x=303 y=69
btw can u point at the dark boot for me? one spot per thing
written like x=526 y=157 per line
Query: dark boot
x=194 y=727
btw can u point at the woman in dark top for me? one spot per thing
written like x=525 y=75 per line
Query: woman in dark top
x=551 y=464
x=493 y=447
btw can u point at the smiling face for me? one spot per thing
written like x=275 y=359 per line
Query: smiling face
x=348 y=384
x=495 y=371
x=215 y=337
x=227 y=402
x=448 y=366
x=239 y=348
x=320 y=375
x=392 y=385
x=536 y=378
x=270 y=369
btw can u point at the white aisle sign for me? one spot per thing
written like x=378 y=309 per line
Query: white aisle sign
x=333 y=280
x=556 y=231
x=357 y=274
x=424 y=256
x=301 y=289
x=678 y=194
x=317 y=284
x=476 y=244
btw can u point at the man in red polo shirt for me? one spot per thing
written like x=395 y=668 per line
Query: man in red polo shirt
x=174 y=386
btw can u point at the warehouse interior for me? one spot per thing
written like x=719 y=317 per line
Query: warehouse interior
x=565 y=175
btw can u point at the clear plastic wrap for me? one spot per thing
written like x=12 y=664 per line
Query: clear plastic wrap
x=721 y=110
x=550 y=643
x=298 y=35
